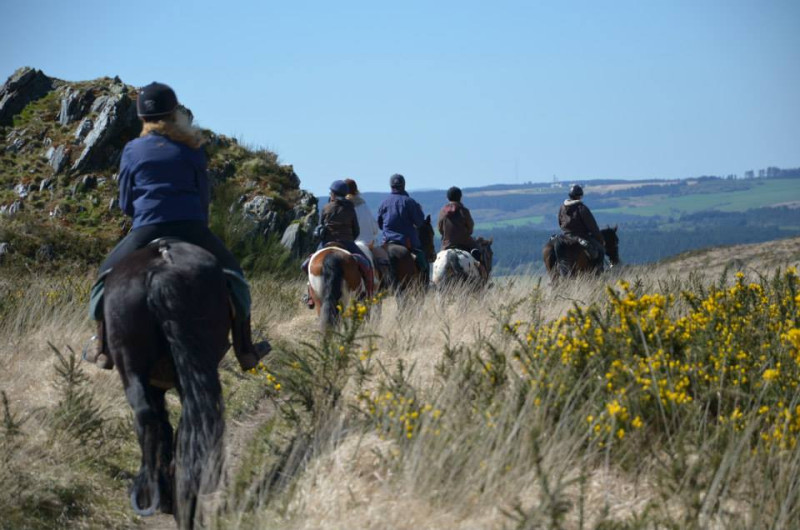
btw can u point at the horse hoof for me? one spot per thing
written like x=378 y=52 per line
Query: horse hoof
x=151 y=510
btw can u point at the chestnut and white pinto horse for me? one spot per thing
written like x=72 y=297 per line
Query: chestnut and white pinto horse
x=334 y=277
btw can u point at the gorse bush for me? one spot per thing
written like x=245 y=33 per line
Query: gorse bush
x=730 y=359
x=693 y=387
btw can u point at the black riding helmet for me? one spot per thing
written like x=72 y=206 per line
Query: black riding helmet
x=156 y=100
x=575 y=191
x=397 y=182
x=454 y=194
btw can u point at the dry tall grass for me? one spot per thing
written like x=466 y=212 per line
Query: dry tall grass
x=324 y=464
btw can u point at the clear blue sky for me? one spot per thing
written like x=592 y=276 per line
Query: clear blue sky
x=467 y=93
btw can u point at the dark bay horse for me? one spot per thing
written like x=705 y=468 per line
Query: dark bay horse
x=576 y=258
x=334 y=277
x=405 y=273
x=166 y=310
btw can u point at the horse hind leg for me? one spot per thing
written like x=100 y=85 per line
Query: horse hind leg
x=152 y=487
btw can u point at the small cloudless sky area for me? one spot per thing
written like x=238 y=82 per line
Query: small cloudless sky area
x=466 y=93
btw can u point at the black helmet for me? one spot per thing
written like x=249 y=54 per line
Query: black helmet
x=397 y=182
x=340 y=188
x=575 y=191
x=156 y=100
x=454 y=194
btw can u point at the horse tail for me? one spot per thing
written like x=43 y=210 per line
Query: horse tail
x=179 y=306
x=332 y=278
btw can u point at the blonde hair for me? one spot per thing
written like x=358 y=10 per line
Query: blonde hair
x=177 y=126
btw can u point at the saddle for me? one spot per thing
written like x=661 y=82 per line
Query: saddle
x=563 y=241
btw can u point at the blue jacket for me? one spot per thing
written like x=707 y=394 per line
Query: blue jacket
x=399 y=216
x=161 y=180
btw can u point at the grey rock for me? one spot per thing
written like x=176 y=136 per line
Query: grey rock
x=84 y=128
x=46 y=184
x=15 y=207
x=101 y=182
x=99 y=104
x=113 y=204
x=56 y=213
x=113 y=117
x=16 y=145
x=70 y=107
x=57 y=158
x=21 y=190
x=293 y=238
x=5 y=249
x=259 y=207
x=47 y=142
x=24 y=86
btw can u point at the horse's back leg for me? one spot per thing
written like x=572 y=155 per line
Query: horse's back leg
x=152 y=487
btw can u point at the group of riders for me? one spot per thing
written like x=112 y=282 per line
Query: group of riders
x=164 y=187
x=347 y=222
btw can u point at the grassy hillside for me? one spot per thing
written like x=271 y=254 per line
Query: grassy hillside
x=632 y=401
x=761 y=193
x=59 y=159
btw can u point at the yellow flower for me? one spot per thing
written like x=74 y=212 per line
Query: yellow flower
x=771 y=374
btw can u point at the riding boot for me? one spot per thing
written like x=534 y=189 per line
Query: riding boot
x=307 y=298
x=247 y=353
x=95 y=352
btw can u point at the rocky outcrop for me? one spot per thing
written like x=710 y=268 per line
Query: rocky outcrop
x=24 y=86
x=58 y=158
x=116 y=113
x=62 y=153
x=74 y=104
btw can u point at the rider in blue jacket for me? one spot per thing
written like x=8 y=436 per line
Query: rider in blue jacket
x=163 y=186
x=399 y=216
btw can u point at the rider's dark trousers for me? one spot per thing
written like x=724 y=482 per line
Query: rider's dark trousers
x=194 y=232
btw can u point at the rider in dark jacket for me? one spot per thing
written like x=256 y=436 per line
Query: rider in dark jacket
x=163 y=185
x=455 y=223
x=577 y=221
x=339 y=225
x=339 y=220
x=399 y=217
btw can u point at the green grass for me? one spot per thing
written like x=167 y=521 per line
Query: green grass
x=503 y=223
x=763 y=193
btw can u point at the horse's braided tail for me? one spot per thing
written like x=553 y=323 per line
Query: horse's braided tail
x=332 y=278
x=199 y=440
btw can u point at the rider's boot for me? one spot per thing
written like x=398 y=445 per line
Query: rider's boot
x=247 y=353
x=307 y=298
x=95 y=352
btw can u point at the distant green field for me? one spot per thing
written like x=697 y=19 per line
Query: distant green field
x=504 y=223
x=762 y=193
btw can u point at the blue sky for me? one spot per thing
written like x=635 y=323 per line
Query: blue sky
x=465 y=93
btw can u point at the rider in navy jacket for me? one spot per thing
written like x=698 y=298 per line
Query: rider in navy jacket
x=164 y=186
x=399 y=216
x=171 y=181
